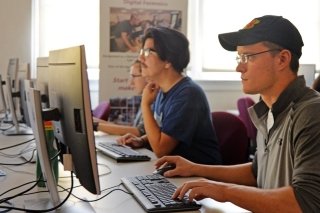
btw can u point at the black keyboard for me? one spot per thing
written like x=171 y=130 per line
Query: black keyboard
x=121 y=153
x=154 y=193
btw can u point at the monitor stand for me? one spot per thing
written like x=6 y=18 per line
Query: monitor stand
x=67 y=207
x=18 y=130
x=6 y=118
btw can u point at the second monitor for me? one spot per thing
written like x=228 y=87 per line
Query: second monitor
x=73 y=124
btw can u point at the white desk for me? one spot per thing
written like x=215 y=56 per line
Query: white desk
x=116 y=202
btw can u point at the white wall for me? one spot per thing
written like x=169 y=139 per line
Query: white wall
x=15 y=41
x=15 y=31
x=223 y=95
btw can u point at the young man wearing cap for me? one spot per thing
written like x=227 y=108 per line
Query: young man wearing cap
x=285 y=173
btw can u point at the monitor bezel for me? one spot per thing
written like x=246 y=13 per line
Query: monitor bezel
x=61 y=63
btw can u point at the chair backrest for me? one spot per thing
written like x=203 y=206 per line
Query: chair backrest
x=102 y=110
x=232 y=136
x=243 y=104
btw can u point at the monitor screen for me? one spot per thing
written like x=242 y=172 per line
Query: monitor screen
x=12 y=92
x=37 y=124
x=25 y=85
x=42 y=80
x=69 y=93
x=12 y=72
x=73 y=124
x=23 y=82
x=3 y=104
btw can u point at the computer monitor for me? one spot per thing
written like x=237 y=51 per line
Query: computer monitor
x=23 y=78
x=12 y=71
x=42 y=80
x=12 y=90
x=3 y=104
x=35 y=112
x=25 y=85
x=69 y=94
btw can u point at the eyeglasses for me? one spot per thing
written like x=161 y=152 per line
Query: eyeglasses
x=146 y=52
x=135 y=75
x=243 y=58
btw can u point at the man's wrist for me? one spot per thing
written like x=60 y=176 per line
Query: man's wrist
x=146 y=107
x=144 y=141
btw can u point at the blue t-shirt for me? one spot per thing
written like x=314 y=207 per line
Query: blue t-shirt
x=184 y=114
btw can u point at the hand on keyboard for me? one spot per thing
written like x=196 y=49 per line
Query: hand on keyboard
x=121 y=153
x=131 y=140
x=154 y=193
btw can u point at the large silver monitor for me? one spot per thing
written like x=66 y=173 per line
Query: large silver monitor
x=73 y=126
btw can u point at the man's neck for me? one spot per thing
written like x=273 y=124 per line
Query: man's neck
x=170 y=82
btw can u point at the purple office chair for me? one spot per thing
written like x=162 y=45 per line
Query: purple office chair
x=102 y=111
x=232 y=137
x=243 y=104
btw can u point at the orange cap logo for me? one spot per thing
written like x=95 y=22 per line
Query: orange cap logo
x=251 y=24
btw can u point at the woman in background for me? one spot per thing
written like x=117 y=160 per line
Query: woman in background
x=138 y=83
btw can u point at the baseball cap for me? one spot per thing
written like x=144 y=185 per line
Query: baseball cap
x=275 y=29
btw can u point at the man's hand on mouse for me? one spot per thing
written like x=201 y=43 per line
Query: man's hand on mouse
x=164 y=169
x=182 y=168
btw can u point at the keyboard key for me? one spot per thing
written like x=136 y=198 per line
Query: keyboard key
x=154 y=193
x=121 y=153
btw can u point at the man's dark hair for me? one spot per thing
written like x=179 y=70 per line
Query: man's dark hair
x=171 y=45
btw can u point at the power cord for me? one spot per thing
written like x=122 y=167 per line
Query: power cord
x=19 y=194
x=42 y=210
x=7 y=210
x=89 y=201
x=19 y=144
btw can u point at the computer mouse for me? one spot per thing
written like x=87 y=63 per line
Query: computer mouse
x=165 y=168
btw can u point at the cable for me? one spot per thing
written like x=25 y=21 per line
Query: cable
x=28 y=148
x=9 y=147
x=39 y=179
x=56 y=155
x=5 y=129
x=12 y=126
x=21 y=193
x=43 y=210
x=67 y=190
x=18 y=171
x=7 y=210
x=108 y=172
x=100 y=175
x=89 y=201
x=19 y=164
x=9 y=125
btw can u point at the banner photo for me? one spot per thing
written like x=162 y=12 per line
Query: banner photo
x=122 y=25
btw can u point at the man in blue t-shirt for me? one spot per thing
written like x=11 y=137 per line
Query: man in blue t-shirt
x=122 y=32
x=180 y=122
